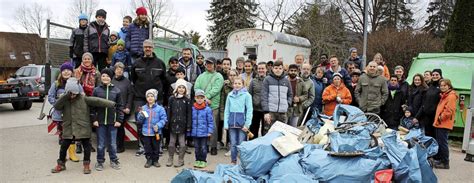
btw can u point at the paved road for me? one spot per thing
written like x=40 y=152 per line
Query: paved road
x=27 y=153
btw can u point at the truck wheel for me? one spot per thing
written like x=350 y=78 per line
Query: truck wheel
x=18 y=105
x=27 y=105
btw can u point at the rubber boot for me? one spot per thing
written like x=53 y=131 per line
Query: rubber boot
x=87 y=167
x=72 y=153
x=171 y=151
x=182 y=152
x=61 y=166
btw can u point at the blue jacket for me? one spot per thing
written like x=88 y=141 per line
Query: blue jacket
x=123 y=33
x=156 y=117
x=238 y=109
x=203 y=122
x=345 y=76
x=318 y=97
x=124 y=57
x=135 y=36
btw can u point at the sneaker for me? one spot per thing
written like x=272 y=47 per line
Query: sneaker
x=156 y=163
x=115 y=164
x=148 y=163
x=99 y=166
x=203 y=164
x=227 y=154
x=140 y=152
x=197 y=164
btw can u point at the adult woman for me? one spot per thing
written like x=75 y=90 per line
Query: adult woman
x=319 y=85
x=430 y=101
x=444 y=121
x=57 y=90
x=416 y=93
x=379 y=60
x=334 y=94
x=427 y=77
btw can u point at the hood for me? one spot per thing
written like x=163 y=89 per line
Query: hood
x=283 y=75
x=239 y=92
x=139 y=23
x=124 y=30
x=372 y=75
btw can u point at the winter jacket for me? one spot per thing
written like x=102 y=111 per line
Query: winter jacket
x=203 y=122
x=404 y=87
x=386 y=72
x=255 y=89
x=226 y=89
x=95 y=41
x=276 y=94
x=76 y=118
x=126 y=90
x=345 y=75
x=431 y=99
x=76 y=42
x=179 y=114
x=112 y=50
x=446 y=110
x=107 y=116
x=305 y=92
x=319 y=87
x=415 y=100
x=192 y=70
x=352 y=89
x=135 y=36
x=238 y=109
x=156 y=117
x=371 y=92
x=123 y=57
x=392 y=110
x=123 y=33
x=357 y=61
x=148 y=73
x=211 y=84
x=408 y=123
x=55 y=91
x=331 y=93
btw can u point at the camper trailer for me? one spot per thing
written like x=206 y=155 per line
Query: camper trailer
x=267 y=45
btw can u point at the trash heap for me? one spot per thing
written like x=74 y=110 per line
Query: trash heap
x=350 y=146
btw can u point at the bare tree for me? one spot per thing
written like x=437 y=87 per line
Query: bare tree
x=33 y=17
x=77 y=7
x=278 y=13
x=159 y=11
x=353 y=13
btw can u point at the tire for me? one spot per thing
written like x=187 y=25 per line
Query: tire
x=27 y=105
x=18 y=105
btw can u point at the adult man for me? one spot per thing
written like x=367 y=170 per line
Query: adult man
x=354 y=58
x=303 y=92
x=269 y=66
x=248 y=73
x=399 y=71
x=148 y=72
x=392 y=110
x=200 y=62
x=211 y=83
x=299 y=60
x=219 y=66
x=350 y=66
x=255 y=89
x=96 y=39
x=138 y=32
x=276 y=96
x=126 y=93
x=355 y=75
x=226 y=67
x=240 y=65
x=335 y=67
x=324 y=62
x=371 y=90
x=187 y=63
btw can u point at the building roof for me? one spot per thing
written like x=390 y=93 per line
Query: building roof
x=282 y=37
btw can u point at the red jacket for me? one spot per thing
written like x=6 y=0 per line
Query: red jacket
x=446 y=110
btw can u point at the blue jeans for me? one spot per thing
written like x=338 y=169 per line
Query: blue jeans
x=200 y=148
x=106 y=133
x=237 y=136
x=442 y=139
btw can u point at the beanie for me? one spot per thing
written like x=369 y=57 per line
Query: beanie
x=101 y=12
x=114 y=33
x=181 y=82
x=152 y=92
x=72 y=85
x=108 y=72
x=352 y=49
x=88 y=54
x=120 y=42
x=66 y=65
x=438 y=71
x=141 y=11
x=83 y=16
x=337 y=74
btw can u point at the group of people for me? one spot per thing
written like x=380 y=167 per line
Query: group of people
x=193 y=102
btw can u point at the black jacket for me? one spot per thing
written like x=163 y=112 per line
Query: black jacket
x=126 y=91
x=404 y=87
x=96 y=38
x=76 y=43
x=392 y=110
x=168 y=90
x=148 y=73
x=415 y=100
x=107 y=115
x=179 y=114
x=431 y=100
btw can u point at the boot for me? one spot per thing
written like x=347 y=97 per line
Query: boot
x=61 y=166
x=182 y=152
x=72 y=153
x=79 y=148
x=171 y=151
x=148 y=163
x=87 y=168
x=442 y=165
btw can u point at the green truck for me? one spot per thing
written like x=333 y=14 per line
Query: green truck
x=459 y=68
x=171 y=43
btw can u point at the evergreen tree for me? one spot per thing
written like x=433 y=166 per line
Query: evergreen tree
x=228 y=16
x=195 y=38
x=396 y=15
x=439 y=14
x=460 y=34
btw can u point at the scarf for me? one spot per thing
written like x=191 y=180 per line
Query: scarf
x=391 y=88
x=87 y=78
x=199 y=106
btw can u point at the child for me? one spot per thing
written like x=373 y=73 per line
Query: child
x=76 y=121
x=407 y=120
x=76 y=42
x=181 y=74
x=95 y=39
x=237 y=115
x=121 y=55
x=202 y=128
x=113 y=39
x=153 y=117
x=180 y=118
x=107 y=120
x=123 y=31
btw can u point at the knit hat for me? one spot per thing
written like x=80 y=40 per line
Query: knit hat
x=148 y=42
x=101 y=12
x=83 y=16
x=181 y=82
x=72 y=85
x=438 y=71
x=352 y=49
x=152 y=92
x=114 y=33
x=120 y=42
x=199 y=92
x=107 y=71
x=88 y=54
x=66 y=65
x=337 y=74
x=141 y=11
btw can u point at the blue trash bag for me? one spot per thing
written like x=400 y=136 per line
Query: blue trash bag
x=427 y=173
x=295 y=178
x=264 y=179
x=350 y=141
x=284 y=166
x=194 y=176
x=429 y=142
x=308 y=148
x=233 y=173
x=353 y=114
x=258 y=156
x=314 y=124
x=326 y=168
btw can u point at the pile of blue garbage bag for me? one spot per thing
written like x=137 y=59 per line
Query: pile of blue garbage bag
x=261 y=162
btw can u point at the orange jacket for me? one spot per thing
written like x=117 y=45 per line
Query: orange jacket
x=446 y=110
x=386 y=72
x=329 y=97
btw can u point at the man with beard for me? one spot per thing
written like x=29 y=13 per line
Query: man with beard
x=255 y=89
x=187 y=63
x=96 y=39
x=138 y=32
x=303 y=92
x=226 y=67
x=392 y=110
x=200 y=62
x=372 y=85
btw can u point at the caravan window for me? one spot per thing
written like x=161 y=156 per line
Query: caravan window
x=250 y=50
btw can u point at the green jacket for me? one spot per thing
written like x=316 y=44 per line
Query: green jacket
x=371 y=92
x=211 y=84
x=76 y=118
x=305 y=92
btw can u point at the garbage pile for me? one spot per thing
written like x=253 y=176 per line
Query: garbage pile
x=349 y=146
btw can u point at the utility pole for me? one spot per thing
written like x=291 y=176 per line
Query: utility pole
x=366 y=14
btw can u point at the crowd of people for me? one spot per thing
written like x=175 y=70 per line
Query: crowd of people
x=191 y=103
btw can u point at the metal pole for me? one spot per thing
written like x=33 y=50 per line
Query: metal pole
x=47 y=69
x=366 y=13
